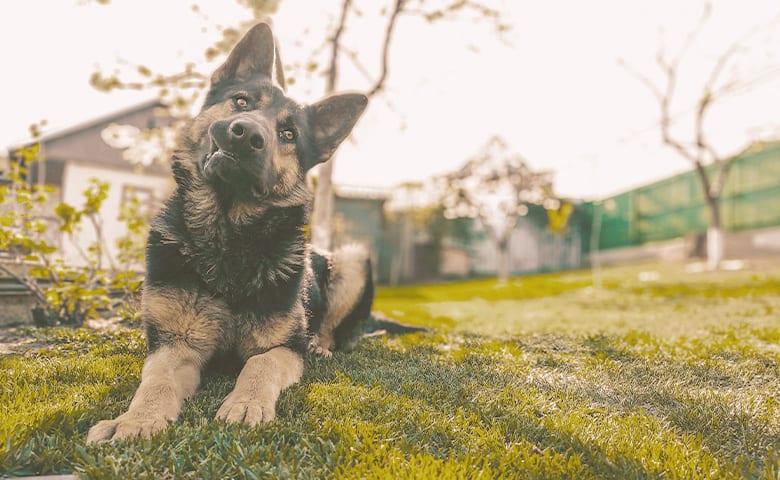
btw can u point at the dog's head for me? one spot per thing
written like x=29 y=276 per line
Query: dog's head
x=250 y=139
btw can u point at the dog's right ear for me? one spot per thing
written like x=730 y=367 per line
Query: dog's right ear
x=332 y=120
x=253 y=55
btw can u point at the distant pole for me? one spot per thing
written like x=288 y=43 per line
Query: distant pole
x=595 y=235
x=595 y=227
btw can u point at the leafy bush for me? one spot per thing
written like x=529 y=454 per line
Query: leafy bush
x=68 y=293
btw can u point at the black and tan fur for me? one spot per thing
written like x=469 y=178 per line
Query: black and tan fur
x=230 y=278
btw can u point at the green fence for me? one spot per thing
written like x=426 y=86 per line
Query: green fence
x=675 y=207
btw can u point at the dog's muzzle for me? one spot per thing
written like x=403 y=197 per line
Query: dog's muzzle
x=237 y=144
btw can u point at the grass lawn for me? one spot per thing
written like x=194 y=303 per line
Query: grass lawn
x=676 y=376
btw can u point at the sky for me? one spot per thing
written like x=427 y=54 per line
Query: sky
x=552 y=86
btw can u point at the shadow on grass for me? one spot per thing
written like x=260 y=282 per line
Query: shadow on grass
x=707 y=399
x=543 y=406
x=453 y=411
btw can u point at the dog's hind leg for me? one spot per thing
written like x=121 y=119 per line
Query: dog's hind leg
x=259 y=384
x=170 y=375
x=350 y=295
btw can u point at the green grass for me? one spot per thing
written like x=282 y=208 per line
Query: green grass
x=543 y=378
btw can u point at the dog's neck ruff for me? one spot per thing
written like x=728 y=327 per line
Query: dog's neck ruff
x=239 y=250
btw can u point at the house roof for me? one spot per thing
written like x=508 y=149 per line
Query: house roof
x=368 y=193
x=83 y=143
x=93 y=122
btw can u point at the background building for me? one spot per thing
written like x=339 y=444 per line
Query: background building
x=669 y=218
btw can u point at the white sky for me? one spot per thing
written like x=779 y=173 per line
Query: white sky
x=553 y=90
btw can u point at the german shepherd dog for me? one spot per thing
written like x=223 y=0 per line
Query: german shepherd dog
x=230 y=278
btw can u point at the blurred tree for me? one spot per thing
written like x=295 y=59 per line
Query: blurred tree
x=495 y=187
x=181 y=88
x=323 y=202
x=697 y=147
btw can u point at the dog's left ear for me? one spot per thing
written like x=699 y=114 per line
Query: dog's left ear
x=253 y=55
x=332 y=120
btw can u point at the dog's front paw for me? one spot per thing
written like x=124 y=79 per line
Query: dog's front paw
x=321 y=351
x=317 y=348
x=248 y=411
x=125 y=427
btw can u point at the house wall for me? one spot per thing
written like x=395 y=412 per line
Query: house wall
x=758 y=243
x=455 y=262
x=531 y=249
x=76 y=180
x=362 y=221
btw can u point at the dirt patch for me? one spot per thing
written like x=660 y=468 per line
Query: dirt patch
x=15 y=340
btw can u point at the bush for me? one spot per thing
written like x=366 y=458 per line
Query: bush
x=68 y=292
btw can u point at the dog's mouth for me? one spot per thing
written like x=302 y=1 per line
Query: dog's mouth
x=227 y=168
x=217 y=155
x=237 y=161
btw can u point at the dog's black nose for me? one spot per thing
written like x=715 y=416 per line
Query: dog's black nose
x=243 y=133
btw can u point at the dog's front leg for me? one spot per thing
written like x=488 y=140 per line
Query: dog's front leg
x=259 y=384
x=170 y=375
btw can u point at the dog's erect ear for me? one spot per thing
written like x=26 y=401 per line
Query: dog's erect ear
x=254 y=54
x=332 y=120
x=278 y=70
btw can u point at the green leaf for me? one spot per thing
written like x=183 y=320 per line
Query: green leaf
x=40 y=272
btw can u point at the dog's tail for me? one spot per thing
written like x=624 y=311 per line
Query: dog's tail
x=380 y=324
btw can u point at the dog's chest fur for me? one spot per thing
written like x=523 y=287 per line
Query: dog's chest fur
x=257 y=270
x=256 y=264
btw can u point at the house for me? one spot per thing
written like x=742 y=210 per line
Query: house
x=430 y=247
x=533 y=247
x=359 y=217
x=69 y=158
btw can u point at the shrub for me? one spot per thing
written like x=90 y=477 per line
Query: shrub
x=68 y=292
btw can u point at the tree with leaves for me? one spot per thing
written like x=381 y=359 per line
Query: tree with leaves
x=697 y=146
x=495 y=187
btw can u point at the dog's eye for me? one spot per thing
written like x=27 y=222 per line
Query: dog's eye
x=241 y=101
x=287 y=134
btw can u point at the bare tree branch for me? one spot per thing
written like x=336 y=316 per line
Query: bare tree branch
x=380 y=82
x=642 y=78
x=353 y=57
x=335 y=44
x=666 y=119
x=691 y=37
x=709 y=94
x=31 y=285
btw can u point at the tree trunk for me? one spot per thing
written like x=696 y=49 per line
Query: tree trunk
x=503 y=261
x=323 y=207
x=323 y=197
x=715 y=237
x=715 y=247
